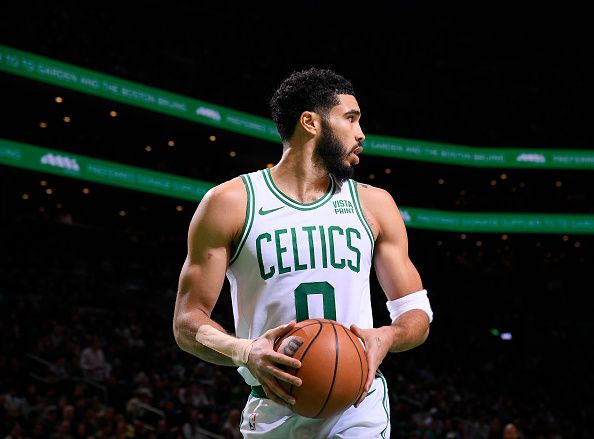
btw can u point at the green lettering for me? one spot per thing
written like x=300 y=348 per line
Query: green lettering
x=298 y=266
x=312 y=254
x=260 y=258
x=323 y=245
x=279 y=251
x=357 y=266
x=342 y=262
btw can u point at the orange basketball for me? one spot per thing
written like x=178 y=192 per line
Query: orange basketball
x=333 y=367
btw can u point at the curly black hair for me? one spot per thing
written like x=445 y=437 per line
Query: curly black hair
x=313 y=89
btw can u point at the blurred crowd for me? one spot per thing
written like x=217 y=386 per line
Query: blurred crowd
x=89 y=278
x=88 y=352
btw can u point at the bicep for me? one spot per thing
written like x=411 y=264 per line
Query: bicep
x=395 y=271
x=210 y=237
x=200 y=281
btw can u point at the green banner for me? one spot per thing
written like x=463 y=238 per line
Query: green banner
x=87 y=81
x=478 y=157
x=100 y=171
x=120 y=90
x=498 y=222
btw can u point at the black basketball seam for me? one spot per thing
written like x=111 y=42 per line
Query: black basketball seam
x=360 y=362
x=289 y=334
x=334 y=375
x=305 y=352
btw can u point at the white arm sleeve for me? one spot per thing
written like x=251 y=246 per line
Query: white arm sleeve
x=417 y=300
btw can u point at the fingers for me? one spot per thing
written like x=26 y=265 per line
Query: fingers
x=370 y=378
x=279 y=331
x=284 y=360
x=268 y=363
x=276 y=393
x=367 y=386
x=357 y=331
x=283 y=376
x=361 y=398
x=371 y=368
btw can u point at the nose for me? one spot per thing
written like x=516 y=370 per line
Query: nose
x=360 y=136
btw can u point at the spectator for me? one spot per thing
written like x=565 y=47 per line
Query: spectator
x=93 y=363
x=63 y=431
x=49 y=418
x=194 y=395
x=192 y=429
x=135 y=407
x=510 y=431
x=68 y=412
x=231 y=426
x=58 y=370
x=16 y=432
x=14 y=405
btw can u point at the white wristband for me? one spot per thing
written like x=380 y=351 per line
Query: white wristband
x=416 y=300
x=238 y=349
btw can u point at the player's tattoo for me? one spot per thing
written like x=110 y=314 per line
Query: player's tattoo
x=364 y=185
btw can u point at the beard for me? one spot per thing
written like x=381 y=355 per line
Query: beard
x=331 y=154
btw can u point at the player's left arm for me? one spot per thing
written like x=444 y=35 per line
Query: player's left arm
x=398 y=277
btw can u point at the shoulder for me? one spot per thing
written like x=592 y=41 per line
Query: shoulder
x=222 y=209
x=379 y=208
x=369 y=194
x=225 y=194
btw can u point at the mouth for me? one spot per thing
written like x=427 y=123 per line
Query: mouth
x=356 y=153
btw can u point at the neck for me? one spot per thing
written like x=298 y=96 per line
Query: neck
x=298 y=176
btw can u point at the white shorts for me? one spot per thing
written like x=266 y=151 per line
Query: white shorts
x=264 y=418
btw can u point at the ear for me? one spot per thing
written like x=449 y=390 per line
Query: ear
x=310 y=122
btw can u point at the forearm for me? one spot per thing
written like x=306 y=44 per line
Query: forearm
x=407 y=332
x=185 y=328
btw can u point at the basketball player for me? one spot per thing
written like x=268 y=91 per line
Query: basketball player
x=298 y=241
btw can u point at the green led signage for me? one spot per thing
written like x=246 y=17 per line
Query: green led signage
x=71 y=165
x=87 y=81
x=100 y=171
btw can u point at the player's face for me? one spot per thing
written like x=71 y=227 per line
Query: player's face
x=339 y=144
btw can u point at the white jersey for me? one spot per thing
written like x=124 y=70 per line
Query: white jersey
x=296 y=261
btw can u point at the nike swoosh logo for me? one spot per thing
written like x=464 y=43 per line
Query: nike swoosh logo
x=369 y=393
x=266 y=212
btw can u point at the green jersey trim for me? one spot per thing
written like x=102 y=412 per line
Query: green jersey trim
x=385 y=405
x=359 y=210
x=249 y=216
x=292 y=203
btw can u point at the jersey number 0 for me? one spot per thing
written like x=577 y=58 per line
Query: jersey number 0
x=307 y=288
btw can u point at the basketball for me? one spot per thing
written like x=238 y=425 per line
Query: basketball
x=333 y=367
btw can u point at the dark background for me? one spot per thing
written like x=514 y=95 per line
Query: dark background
x=106 y=262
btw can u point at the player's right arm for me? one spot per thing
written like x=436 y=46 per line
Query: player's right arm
x=212 y=230
x=215 y=226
